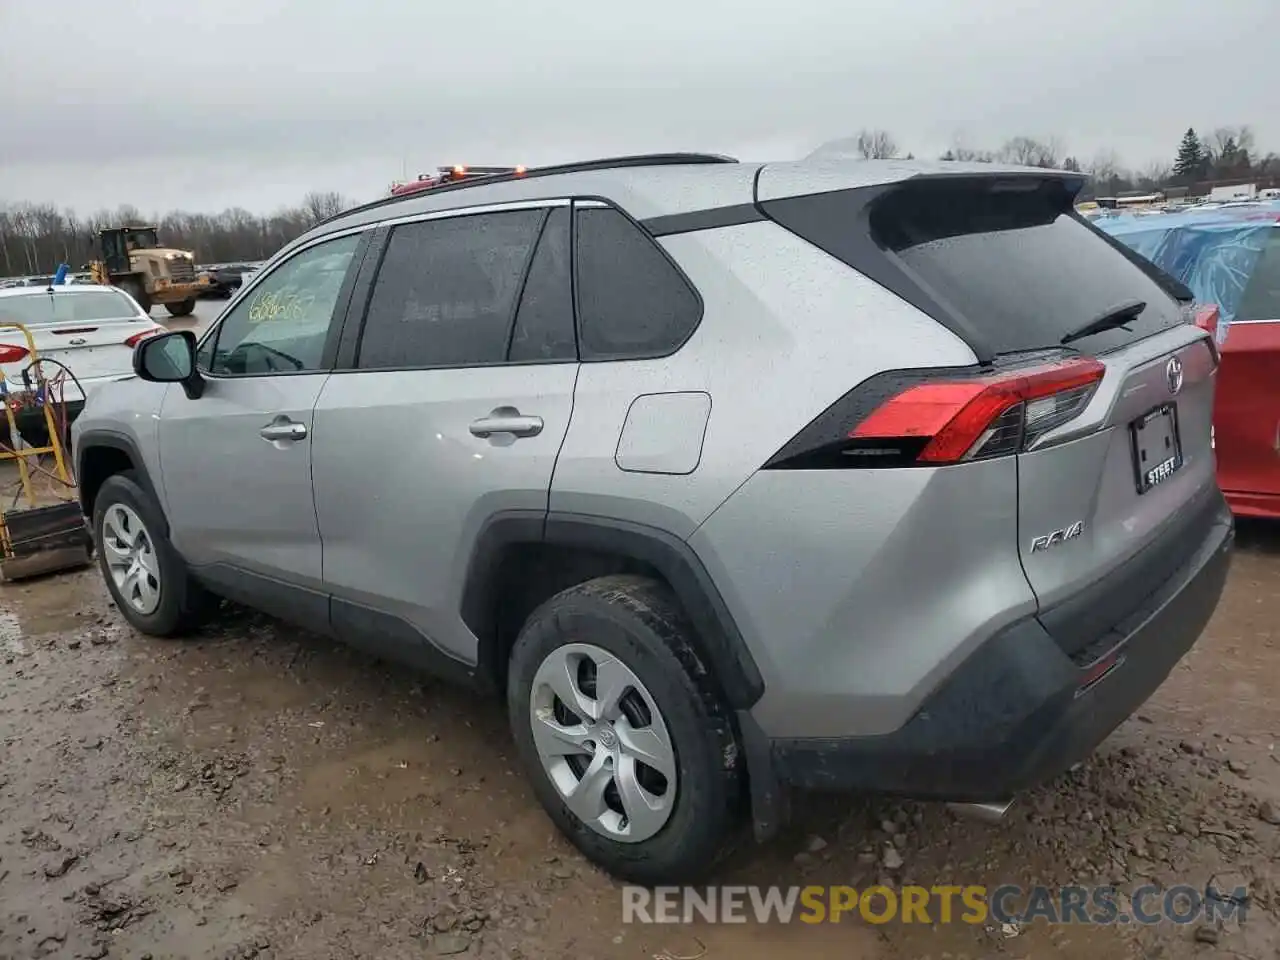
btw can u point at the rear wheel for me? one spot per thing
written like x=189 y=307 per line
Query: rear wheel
x=628 y=745
x=182 y=308
x=146 y=577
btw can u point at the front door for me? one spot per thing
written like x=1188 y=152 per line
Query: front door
x=453 y=410
x=236 y=461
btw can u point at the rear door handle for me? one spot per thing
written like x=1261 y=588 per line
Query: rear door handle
x=282 y=428
x=514 y=423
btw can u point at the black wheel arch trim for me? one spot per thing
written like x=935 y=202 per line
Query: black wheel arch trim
x=99 y=437
x=718 y=635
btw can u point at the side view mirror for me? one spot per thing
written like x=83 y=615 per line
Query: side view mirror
x=169 y=358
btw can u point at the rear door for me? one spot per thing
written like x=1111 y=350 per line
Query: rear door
x=1028 y=274
x=451 y=409
x=1247 y=418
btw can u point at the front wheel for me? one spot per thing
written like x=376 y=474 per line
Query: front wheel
x=182 y=308
x=629 y=747
x=147 y=579
x=136 y=289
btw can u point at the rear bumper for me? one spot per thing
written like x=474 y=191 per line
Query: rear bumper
x=1022 y=710
x=1264 y=505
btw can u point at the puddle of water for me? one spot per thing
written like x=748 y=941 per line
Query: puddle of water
x=49 y=605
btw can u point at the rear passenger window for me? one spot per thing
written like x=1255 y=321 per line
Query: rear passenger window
x=544 y=324
x=632 y=301
x=447 y=289
x=1261 y=298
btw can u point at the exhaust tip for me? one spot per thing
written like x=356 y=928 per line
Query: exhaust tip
x=986 y=812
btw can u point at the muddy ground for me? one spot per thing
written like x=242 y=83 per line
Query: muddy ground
x=258 y=792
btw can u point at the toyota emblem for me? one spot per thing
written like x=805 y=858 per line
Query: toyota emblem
x=1173 y=374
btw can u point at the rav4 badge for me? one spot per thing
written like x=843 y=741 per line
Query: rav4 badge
x=1057 y=537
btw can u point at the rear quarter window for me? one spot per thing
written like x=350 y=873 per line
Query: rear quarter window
x=633 y=303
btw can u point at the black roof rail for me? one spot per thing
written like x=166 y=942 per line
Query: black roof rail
x=582 y=166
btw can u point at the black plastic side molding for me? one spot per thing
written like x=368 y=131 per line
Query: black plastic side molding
x=720 y=641
x=113 y=441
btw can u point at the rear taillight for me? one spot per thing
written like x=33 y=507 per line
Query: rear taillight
x=944 y=419
x=133 y=340
x=12 y=354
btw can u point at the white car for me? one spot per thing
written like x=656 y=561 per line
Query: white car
x=88 y=331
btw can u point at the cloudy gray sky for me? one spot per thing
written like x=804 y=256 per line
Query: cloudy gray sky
x=203 y=104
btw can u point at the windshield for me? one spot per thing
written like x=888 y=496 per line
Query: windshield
x=42 y=307
x=141 y=239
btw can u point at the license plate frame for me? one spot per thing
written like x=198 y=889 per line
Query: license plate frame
x=1157 y=428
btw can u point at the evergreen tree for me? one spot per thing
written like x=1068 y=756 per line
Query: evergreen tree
x=1190 y=162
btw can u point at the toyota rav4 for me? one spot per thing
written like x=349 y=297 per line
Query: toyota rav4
x=731 y=478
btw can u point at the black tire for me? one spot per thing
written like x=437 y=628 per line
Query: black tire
x=136 y=289
x=183 y=604
x=638 y=620
x=182 y=308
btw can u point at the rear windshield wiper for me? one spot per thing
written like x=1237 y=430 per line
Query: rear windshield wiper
x=1117 y=316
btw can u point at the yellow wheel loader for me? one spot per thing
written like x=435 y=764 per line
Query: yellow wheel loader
x=134 y=261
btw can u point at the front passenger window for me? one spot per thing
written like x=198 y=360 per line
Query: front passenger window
x=281 y=327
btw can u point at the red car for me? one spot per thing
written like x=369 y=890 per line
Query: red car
x=1247 y=415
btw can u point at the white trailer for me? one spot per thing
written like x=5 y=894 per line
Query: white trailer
x=1241 y=191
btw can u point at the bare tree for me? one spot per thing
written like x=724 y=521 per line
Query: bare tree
x=1155 y=175
x=876 y=145
x=1108 y=176
x=867 y=144
x=1224 y=141
x=322 y=206
x=960 y=151
x=1030 y=152
x=35 y=238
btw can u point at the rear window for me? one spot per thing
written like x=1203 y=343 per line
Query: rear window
x=1018 y=267
x=1261 y=299
x=66 y=307
x=1006 y=262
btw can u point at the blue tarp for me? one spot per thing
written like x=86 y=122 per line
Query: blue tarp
x=1213 y=252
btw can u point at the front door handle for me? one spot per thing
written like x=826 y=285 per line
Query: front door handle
x=507 y=420
x=282 y=428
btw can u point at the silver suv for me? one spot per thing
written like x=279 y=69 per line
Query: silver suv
x=732 y=478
